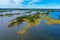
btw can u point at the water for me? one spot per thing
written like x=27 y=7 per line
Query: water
x=54 y=15
x=41 y=31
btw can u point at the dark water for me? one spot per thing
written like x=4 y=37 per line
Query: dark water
x=41 y=31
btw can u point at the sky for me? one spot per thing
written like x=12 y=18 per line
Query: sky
x=30 y=4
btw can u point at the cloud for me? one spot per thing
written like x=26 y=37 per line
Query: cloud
x=33 y=1
x=10 y=2
x=4 y=2
x=18 y=1
x=15 y=2
x=28 y=4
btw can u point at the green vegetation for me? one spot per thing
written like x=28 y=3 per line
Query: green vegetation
x=59 y=17
x=1 y=15
x=28 y=11
x=17 y=14
x=5 y=10
x=47 y=12
x=28 y=18
x=9 y=14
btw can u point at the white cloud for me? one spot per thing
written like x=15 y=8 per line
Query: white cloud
x=10 y=3
x=18 y=1
x=4 y=2
x=13 y=3
x=33 y=1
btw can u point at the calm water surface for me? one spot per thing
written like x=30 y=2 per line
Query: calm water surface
x=41 y=31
